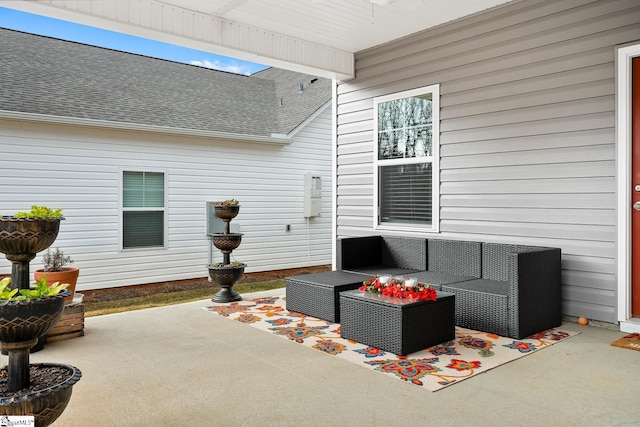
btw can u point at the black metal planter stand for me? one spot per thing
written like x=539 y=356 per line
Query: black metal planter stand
x=23 y=322
x=226 y=274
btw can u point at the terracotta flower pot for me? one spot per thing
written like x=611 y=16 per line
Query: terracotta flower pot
x=66 y=275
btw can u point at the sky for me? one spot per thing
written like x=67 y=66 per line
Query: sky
x=35 y=24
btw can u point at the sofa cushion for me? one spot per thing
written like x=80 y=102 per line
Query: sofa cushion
x=483 y=285
x=437 y=279
x=380 y=270
x=481 y=305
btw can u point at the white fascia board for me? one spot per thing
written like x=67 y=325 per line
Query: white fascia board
x=136 y=127
x=302 y=125
x=166 y=22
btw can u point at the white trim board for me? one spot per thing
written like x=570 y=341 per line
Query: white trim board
x=623 y=141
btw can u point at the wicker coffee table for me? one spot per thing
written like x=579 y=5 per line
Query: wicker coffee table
x=397 y=325
x=316 y=294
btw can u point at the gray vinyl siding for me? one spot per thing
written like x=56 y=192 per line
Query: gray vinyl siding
x=78 y=169
x=527 y=132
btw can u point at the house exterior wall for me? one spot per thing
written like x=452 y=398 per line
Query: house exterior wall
x=78 y=169
x=527 y=141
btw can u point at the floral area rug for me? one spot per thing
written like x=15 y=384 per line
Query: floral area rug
x=471 y=352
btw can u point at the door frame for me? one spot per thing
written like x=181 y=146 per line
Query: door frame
x=624 y=55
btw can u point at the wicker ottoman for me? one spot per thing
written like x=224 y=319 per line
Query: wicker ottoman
x=397 y=325
x=316 y=294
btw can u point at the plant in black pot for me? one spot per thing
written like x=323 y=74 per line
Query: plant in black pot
x=225 y=276
x=25 y=234
x=40 y=390
x=227 y=209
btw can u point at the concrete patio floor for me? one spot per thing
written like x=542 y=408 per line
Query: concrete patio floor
x=183 y=366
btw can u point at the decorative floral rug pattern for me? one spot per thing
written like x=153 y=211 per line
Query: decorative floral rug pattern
x=471 y=352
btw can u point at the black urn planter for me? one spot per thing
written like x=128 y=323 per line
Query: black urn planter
x=21 y=239
x=22 y=322
x=27 y=236
x=226 y=242
x=44 y=404
x=226 y=276
x=31 y=318
x=226 y=212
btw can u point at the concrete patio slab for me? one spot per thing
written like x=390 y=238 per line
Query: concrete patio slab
x=183 y=366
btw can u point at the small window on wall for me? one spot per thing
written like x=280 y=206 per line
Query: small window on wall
x=406 y=163
x=143 y=214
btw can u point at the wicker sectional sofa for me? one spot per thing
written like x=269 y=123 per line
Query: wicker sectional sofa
x=509 y=290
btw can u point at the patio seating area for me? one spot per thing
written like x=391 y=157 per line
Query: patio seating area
x=506 y=289
x=180 y=365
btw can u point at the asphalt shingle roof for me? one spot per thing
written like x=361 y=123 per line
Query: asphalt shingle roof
x=54 y=77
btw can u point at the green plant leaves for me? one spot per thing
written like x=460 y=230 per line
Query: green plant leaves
x=6 y=293
x=41 y=290
x=39 y=212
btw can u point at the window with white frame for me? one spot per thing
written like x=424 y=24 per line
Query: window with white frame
x=143 y=213
x=407 y=159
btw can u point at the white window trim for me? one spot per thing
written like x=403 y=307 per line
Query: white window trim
x=435 y=160
x=121 y=209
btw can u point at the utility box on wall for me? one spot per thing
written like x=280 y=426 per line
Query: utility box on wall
x=312 y=195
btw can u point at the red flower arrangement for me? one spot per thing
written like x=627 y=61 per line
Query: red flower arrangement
x=407 y=288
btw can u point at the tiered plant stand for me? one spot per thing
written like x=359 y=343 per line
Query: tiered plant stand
x=226 y=274
x=23 y=322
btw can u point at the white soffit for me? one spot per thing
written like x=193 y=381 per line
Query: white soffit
x=313 y=36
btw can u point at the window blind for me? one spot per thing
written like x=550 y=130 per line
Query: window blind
x=406 y=192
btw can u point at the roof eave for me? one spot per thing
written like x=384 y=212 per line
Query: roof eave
x=306 y=121
x=277 y=139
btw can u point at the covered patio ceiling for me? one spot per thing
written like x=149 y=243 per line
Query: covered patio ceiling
x=313 y=36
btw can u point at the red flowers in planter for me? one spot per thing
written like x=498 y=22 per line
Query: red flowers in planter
x=399 y=288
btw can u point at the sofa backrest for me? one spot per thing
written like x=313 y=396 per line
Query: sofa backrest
x=495 y=260
x=405 y=252
x=461 y=258
x=358 y=252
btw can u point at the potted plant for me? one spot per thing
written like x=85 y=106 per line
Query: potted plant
x=23 y=235
x=26 y=314
x=56 y=268
x=226 y=275
x=227 y=209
